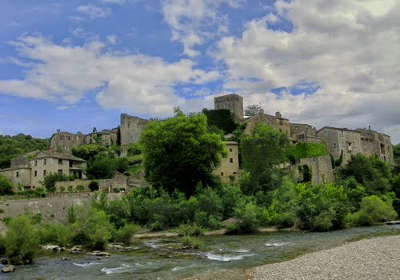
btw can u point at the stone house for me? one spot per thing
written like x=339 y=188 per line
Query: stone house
x=277 y=122
x=28 y=171
x=229 y=167
x=360 y=141
x=231 y=102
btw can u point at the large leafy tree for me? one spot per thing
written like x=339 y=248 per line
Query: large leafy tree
x=180 y=152
x=261 y=153
x=253 y=110
x=396 y=153
x=220 y=119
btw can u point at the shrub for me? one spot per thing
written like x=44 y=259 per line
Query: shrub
x=190 y=242
x=5 y=186
x=70 y=188
x=50 y=180
x=190 y=230
x=93 y=186
x=373 y=210
x=62 y=189
x=21 y=241
x=80 y=188
x=2 y=246
x=247 y=215
x=125 y=233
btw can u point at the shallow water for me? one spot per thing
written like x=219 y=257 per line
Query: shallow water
x=156 y=259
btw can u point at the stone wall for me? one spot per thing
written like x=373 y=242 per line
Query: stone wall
x=19 y=177
x=276 y=122
x=321 y=169
x=232 y=102
x=118 y=183
x=229 y=167
x=52 y=208
x=130 y=130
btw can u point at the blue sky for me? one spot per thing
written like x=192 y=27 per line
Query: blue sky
x=74 y=65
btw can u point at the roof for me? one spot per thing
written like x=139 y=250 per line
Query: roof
x=231 y=142
x=49 y=154
x=337 y=128
x=15 y=168
x=358 y=130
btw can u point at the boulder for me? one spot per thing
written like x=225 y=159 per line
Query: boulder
x=100 y=254
x=76 y=250
x=8 y=269
x=54 y=248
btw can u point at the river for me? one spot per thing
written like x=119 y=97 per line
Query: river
x=226 y=256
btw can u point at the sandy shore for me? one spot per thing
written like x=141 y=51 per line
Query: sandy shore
x=377 y=258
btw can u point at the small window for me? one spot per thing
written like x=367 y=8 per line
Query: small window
x=70 y=163
x=60 y=172
x=44 y=161
x=231 y=160
x=230 y=150
x=35 y=162
x=222 y=173
x=35 y=173
x=60 y=161
x=44 y=172
x=17 y=174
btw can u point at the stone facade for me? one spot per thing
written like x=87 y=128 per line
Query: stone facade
x=303 y=133
x=130 y=130
x=360 y=141
x=320 y=169
x=28 y=172
x=277 y=122
x=229 y=167
x=231 y=102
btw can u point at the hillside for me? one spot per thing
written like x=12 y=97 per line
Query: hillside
x=12 y=146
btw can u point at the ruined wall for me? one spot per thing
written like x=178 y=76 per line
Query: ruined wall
x=65 y=141
x=19 y=177
x=303 y=133
x=229 y=166
x=232 y=102
x=376 y=144
x=321 y=169
x=52 y=208
x=276 y=122
x=130 y=130
x=119 y=182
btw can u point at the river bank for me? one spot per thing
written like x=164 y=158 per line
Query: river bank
x=376 y=258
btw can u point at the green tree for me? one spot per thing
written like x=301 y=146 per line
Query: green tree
x=180 y=152
x=396 y=155
x=89 y=151
x=374 y=174
x=5 y=186
x=261 y=152
x=221 y=119
x=252 y=110
x=101 y=167
x=50 y=180
x=21 y=240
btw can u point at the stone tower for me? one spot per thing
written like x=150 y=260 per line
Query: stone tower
x=231 y=102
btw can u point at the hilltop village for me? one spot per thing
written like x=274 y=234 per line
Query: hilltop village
x=28 y=171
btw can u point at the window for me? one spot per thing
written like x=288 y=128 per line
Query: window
x=35 y=162
x=35 y=173
x=44 y=172
x=60 y=172
x=230 y=150
x=44 y=161
x=222 y=173
x=17 y=174
x=60 y=161
x=70 y=163
x=231 y=160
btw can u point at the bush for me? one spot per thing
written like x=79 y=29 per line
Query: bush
x=190 y=242
x=62 y=189
x=2 y=246
x=373 y=210
x=50 y=180
x=70 y=188
x=125 y=233
x=93 y=186
x=190 y=230
x=21 y=241
x=80 y=188
x=5 y=186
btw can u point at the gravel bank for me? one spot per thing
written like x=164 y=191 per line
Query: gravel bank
x=377 y=258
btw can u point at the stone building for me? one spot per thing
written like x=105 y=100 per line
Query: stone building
x=128 y=132
x=277 y=122
x=360 y=141
x=231 y=102
x=28 y=171
x=229 y=167
x=303 y=133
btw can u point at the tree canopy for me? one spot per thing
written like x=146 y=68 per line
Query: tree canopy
x=221 y=119
x=253 y=110
x=12 y=146
x=180 y=152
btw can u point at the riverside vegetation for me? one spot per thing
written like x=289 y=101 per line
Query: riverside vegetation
x=178 y=156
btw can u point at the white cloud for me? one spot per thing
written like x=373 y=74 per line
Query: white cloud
x=189 y=20
x=94 y=11
x=137 y=84
x=349 y=48
x=114 y=1
x=112 y=39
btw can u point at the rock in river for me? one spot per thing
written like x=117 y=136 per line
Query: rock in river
x=8 y=268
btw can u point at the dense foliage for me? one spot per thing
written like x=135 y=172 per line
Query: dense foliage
x=13 y=146
x=180 y=152
x=261 y=153
x=220 y=119
x=252 y=110
x=305 y=150
x=5 y=186
x=50 y=180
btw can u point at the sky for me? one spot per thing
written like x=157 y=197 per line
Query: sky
x=78 y=64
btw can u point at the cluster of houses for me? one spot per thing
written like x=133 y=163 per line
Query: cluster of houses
x=28 y=171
